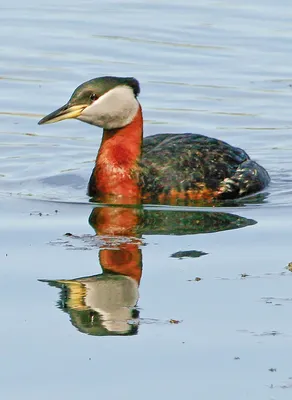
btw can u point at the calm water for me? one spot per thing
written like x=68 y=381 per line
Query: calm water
x=183 y=302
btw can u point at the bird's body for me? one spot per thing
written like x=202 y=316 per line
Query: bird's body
x=161 y=167
x=198 y=167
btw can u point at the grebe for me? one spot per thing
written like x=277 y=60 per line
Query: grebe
x=160 y=167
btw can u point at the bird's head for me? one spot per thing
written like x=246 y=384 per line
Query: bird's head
x=108 y=102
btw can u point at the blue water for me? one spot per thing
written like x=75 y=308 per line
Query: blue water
x=209 y=316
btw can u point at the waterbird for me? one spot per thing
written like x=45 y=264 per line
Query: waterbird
x=161 y=167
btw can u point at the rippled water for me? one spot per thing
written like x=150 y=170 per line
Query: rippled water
x=218 y=68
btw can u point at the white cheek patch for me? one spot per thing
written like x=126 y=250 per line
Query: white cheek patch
x=115 y=109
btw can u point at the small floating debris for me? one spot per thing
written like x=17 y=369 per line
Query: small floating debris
x=289 y=266
x=236 y=358
x=244 y=275
x=269 y=333
x=39 y=213
x=174 y=321
x=273 y=369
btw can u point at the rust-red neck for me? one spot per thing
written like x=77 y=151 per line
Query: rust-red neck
x=116 y=168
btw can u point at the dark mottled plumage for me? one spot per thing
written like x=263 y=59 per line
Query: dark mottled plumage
x=195 y=162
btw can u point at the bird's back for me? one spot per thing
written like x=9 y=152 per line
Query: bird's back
x=188 y=163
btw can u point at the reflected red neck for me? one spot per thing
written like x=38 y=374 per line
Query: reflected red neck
x=126 y=260
x=116 y=168
x=123 y=258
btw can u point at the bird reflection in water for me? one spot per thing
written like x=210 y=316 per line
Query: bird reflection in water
x=106 y=304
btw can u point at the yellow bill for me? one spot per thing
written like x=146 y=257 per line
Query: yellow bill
x=65 y=112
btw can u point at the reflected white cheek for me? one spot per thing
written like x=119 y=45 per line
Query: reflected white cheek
x=115 y=109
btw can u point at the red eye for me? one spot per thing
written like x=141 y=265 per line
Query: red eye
x=93 y=97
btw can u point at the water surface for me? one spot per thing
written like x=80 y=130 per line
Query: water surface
x=184 y=302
